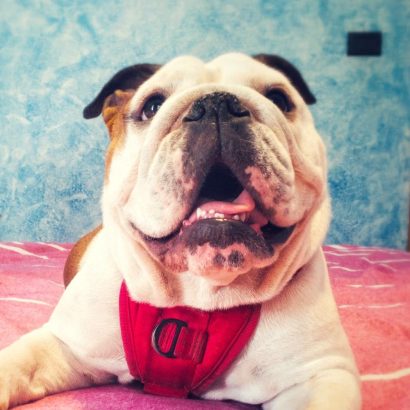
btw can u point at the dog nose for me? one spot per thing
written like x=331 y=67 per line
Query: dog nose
x=218 y=106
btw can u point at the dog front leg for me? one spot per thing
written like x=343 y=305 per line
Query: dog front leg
x=335 y=389
x=38 y=364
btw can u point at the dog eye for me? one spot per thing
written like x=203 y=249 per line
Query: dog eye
x=280 y=99
x=151 y=107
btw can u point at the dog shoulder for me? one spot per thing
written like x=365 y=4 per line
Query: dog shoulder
x=73 y=261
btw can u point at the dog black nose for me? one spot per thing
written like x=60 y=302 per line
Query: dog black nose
x=217 y=106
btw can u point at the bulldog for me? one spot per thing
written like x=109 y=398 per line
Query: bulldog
x=207 y=275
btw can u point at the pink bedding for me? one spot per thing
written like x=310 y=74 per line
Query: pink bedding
x=372 y=290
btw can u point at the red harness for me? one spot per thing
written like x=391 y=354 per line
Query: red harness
x=179 y=350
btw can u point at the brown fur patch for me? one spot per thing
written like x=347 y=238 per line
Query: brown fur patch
x=73 y=261
x=114 y=113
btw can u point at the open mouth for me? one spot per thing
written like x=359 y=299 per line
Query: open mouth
x=223 y=200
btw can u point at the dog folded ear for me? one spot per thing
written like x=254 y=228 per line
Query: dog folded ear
x=290 y=71
x=128 y=79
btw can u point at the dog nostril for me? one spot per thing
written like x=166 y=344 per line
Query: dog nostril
x=196 y=113
x=221 y=105
x=235 y=108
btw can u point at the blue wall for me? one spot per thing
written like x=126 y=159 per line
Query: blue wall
x=56 y=54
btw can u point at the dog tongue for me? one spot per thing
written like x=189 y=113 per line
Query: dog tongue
x=243 y=207
x=244 y=203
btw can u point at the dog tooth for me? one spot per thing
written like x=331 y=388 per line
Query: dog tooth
x=236 y=217
x=218 y=215
x=212 y=211
x=242 y=217
x=198 y=213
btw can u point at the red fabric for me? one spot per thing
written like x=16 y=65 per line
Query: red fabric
x=371 y=287
x=179 y=350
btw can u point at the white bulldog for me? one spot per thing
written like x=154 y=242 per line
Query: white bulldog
x=215 y=206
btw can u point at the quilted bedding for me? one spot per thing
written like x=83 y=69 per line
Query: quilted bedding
x=371 y=287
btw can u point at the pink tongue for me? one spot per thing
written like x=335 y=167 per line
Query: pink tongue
x=243 y=203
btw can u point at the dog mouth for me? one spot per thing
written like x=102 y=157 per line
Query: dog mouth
x=224 y=202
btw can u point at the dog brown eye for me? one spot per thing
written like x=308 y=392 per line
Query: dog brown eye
x=280 y=99
x=151 y=107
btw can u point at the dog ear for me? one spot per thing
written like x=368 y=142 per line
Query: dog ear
x=113 y=103
x=129 y=78
x=290 y=71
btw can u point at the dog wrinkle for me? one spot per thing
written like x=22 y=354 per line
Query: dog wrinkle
x=267 y=140
x=262 y=188
x=259 y=276
x=257 y=167
x=167 y=173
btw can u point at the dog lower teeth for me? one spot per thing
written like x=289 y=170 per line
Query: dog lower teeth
x=201 y=214
x=241 y=209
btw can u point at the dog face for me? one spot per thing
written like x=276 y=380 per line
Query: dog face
x=215 y=169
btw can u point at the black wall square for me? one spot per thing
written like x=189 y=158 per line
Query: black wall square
x=366 y=43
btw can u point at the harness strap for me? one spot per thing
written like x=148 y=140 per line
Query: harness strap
x=181 y=350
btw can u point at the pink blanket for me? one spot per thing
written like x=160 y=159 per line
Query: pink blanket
x=372 y=290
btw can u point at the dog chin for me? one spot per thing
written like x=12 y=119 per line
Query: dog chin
x=219 y=250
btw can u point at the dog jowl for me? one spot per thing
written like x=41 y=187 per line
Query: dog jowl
x=215 y=205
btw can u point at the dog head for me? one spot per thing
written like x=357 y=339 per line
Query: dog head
x=215 y=171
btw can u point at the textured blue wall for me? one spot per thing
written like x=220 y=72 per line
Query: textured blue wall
x=56 y=54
